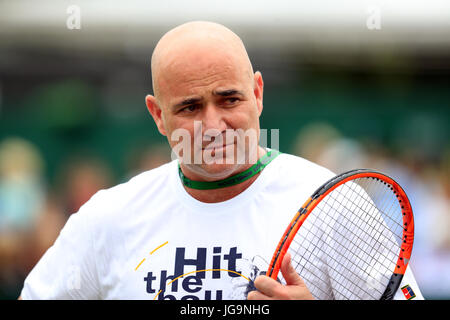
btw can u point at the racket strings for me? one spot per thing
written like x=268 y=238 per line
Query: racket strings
x=331 y=261
x=348 y=246
x=371 y=223
x=380 y=189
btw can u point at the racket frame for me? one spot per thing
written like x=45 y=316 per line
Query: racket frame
x=322 y=192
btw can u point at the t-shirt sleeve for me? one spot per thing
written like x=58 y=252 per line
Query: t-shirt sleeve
x=408 y=289
x=67 y=270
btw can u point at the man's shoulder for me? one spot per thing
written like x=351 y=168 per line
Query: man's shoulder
x=295 y=166
x=150 y=177
x=297 y=174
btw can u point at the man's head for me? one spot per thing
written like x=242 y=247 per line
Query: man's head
x=202 y=74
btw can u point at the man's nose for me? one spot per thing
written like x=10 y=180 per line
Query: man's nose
x=213 y=118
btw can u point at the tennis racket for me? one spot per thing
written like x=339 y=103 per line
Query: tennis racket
x=352 y=239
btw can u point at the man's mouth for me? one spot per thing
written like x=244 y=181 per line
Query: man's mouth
x=216 y=146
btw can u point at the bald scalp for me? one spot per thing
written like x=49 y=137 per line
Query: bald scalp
x=202 y=35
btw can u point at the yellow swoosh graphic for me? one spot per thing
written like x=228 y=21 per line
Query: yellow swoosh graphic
x=139 y=264
x=151 y=254
x=159 y=247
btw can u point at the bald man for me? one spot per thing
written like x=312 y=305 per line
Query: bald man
x=204 y=225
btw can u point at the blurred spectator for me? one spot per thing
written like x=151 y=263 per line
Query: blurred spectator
x=48 y=225
x=442 y=175
x=323 y=144
x=31 y=216
x=80 y=177
x=145 y=157
x=22 y=199
x=21 y=185
x=313 y=139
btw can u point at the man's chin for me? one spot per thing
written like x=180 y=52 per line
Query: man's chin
x=214 y=171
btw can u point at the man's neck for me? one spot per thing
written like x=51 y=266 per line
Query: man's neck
x=223 y=194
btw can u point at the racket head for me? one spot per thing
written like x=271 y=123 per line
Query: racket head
x=368 y=187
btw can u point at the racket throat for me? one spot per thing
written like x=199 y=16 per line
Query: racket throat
x=392 y=287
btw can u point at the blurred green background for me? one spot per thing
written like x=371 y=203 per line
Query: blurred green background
x=73 y=118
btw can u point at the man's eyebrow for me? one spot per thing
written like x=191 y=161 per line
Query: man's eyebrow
x=187 y=102
x=227 y=93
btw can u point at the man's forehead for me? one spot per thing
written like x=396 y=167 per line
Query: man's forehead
x=198 y=50
x=202 y=65
x=198 y=71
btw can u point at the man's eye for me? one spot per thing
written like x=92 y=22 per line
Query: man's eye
x=190 y=108
x=232 y=100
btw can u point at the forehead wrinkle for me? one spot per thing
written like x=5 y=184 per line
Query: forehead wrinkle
x=206 y=75
x=184 y=76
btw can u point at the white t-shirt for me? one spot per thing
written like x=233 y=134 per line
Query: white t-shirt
x=137 y=239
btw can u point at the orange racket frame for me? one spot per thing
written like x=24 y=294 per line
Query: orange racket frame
x=303 y=213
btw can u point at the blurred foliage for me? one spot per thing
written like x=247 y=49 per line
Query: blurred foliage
x=69 y=116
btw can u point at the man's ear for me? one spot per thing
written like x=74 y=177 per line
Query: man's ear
x=258 y=89
x=155 y=110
